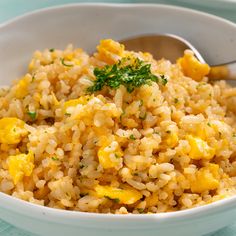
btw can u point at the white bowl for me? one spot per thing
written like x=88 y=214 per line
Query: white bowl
x=84 y=25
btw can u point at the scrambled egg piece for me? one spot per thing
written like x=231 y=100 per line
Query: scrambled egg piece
x=172 y=139
x=110 y=51
x=124 y=196
x=21 y=89
x=21 y=165
x=200 y=149
x=107 y=157
x=11 y=130
x=152 y=200
x=201 y=132
x=83 y=100
x=192 y=67
x=206 y=179
x=71 y=57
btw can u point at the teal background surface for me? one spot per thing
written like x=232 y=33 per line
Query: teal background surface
x=12 y=8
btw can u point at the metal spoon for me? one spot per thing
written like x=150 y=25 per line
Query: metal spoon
x=172 y=47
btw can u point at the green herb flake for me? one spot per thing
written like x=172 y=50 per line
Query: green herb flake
x=64 y=64
x=51 y=50
x=127 y=72
x=209 y=124
x=116 y=200
x=32 y=114
x=81 y=165
x=143 y=117
x=14 y=129
x=140 y=210
x=33 y=78
x=122 y=114
x=132 y=137
x=55 y=159
x=200 y=85
x=117 y=156
x=163 y=80
x=234 y=135
x=176 y=100
x=67 y=114
x=141 y=103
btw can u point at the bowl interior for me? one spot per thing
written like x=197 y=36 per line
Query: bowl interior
x=85 y=24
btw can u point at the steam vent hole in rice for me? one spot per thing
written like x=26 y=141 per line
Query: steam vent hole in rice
x=117 y=132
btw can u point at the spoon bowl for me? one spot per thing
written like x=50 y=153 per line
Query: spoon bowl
x=167 y=46
x=172 y=47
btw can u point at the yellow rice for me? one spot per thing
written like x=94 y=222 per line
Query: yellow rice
x=160 y=148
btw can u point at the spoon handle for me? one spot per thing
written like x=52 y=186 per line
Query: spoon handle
x=223 y=72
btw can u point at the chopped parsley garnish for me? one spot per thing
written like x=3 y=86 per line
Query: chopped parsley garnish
x=132 y=137
x=176 y=100
x=81 y=165
x=117 y=156
x=131 y=73
x=143 y=117
x=116 y=200
x=163 y=80
x=140 y=210
x=55 y=159
x=33 y=78
x=51 y=50
x=67 y=114
x=32 y=114
x=200 y=84
x=64 y=64
x=209 y=124
x=122 y=114
x=141 y=103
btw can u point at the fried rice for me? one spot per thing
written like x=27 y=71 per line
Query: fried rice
x=159 y=148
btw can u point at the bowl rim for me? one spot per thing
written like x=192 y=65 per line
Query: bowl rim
x=216 y=4
x=14 y=204
x=27 y=208
x=112 y=5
